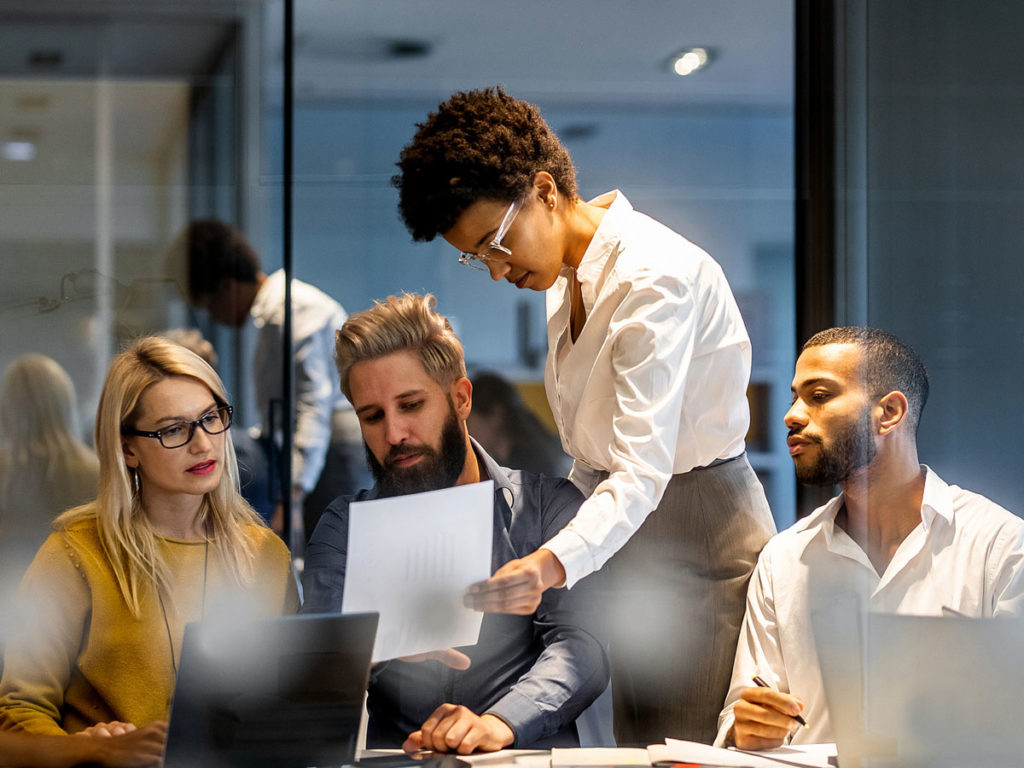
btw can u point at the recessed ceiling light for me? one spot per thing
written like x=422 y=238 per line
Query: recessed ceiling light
x=690 y=60
x=43 y=58
x=408 y=48
x=18 y=151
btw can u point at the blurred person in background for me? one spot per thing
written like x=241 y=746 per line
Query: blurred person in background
x=44 y=467
x=225 y=278
x=511 y=432
x=102 y=608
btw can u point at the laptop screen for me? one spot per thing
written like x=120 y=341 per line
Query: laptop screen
x=273 y=693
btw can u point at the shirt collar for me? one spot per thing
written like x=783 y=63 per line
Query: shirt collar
x=604 y=244
x=937 y=501
x=503 y=487
x=823 y=519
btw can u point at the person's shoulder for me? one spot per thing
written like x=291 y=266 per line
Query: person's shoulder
x=792 y=541
x=333 y=523
x=650 y=248
x=339 y=508
x=309 y=298
x=978 y=515
x=73 y=547
x=79 y=527
x=550 y=500
x=548 y=485
x=264 y=541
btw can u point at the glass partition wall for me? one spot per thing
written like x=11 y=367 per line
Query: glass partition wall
x=119 y=124
x=122 y=122
x=923 y=178
x=710 y=155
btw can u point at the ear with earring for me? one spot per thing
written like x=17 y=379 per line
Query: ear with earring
x=551 y=203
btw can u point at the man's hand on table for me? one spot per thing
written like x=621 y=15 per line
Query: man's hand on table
x=454 y=728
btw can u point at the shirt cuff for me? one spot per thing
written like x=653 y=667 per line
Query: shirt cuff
x=723 y=729
x=523 y=716
x=305 y=471
x=573 y=553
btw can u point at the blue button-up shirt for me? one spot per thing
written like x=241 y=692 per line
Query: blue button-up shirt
x=537 y=672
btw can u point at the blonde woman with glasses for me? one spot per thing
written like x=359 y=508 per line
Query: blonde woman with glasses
x=168 y=540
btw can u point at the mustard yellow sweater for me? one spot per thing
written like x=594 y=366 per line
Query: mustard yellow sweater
x=78 y=657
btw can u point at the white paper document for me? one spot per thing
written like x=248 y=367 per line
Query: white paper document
x=677 y=750
x=599 y=757
x=410 y=558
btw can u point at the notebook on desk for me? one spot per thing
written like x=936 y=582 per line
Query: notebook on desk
x=913 y=691
x=277 y=693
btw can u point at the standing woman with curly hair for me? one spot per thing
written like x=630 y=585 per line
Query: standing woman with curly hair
x=647 y=369
x=167 y=541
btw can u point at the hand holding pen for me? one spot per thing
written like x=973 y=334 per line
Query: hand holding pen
x=760 y=683
x=764 y=717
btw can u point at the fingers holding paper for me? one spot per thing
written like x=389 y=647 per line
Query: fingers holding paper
x=764 y=718
x=517 y=586
x=454 y=728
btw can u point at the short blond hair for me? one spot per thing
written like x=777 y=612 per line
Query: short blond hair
x=398 y=324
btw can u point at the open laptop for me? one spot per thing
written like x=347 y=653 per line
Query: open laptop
x=276 y=693
x=913 y=691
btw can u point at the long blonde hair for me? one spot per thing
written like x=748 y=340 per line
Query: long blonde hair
x=127 y=537
x=46 y=468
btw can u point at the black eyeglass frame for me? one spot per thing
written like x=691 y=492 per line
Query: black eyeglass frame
x=158 y=434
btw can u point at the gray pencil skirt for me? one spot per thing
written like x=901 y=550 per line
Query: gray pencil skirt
x=676 y=596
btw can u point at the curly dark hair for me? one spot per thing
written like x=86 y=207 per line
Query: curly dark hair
x=478 y=145
x=217 y=251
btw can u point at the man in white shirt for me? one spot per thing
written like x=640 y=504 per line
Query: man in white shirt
x=897 y=536
x=226 y=279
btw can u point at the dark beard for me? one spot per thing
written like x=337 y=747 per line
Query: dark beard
x=851 y=449
x=437 y=469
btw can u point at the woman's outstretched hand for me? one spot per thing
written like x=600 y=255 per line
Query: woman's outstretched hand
x=517 y=586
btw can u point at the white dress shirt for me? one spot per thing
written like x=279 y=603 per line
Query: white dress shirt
x=655 y=385
x=315 y=319
x=966 y=555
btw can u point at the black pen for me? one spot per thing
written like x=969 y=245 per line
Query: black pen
x=760 y=683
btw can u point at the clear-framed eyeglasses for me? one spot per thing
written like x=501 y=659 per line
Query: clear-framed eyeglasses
x=181 y=432
x=493 y=251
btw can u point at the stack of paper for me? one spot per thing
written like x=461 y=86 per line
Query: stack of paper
x=675 y=751
x=679 y=751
